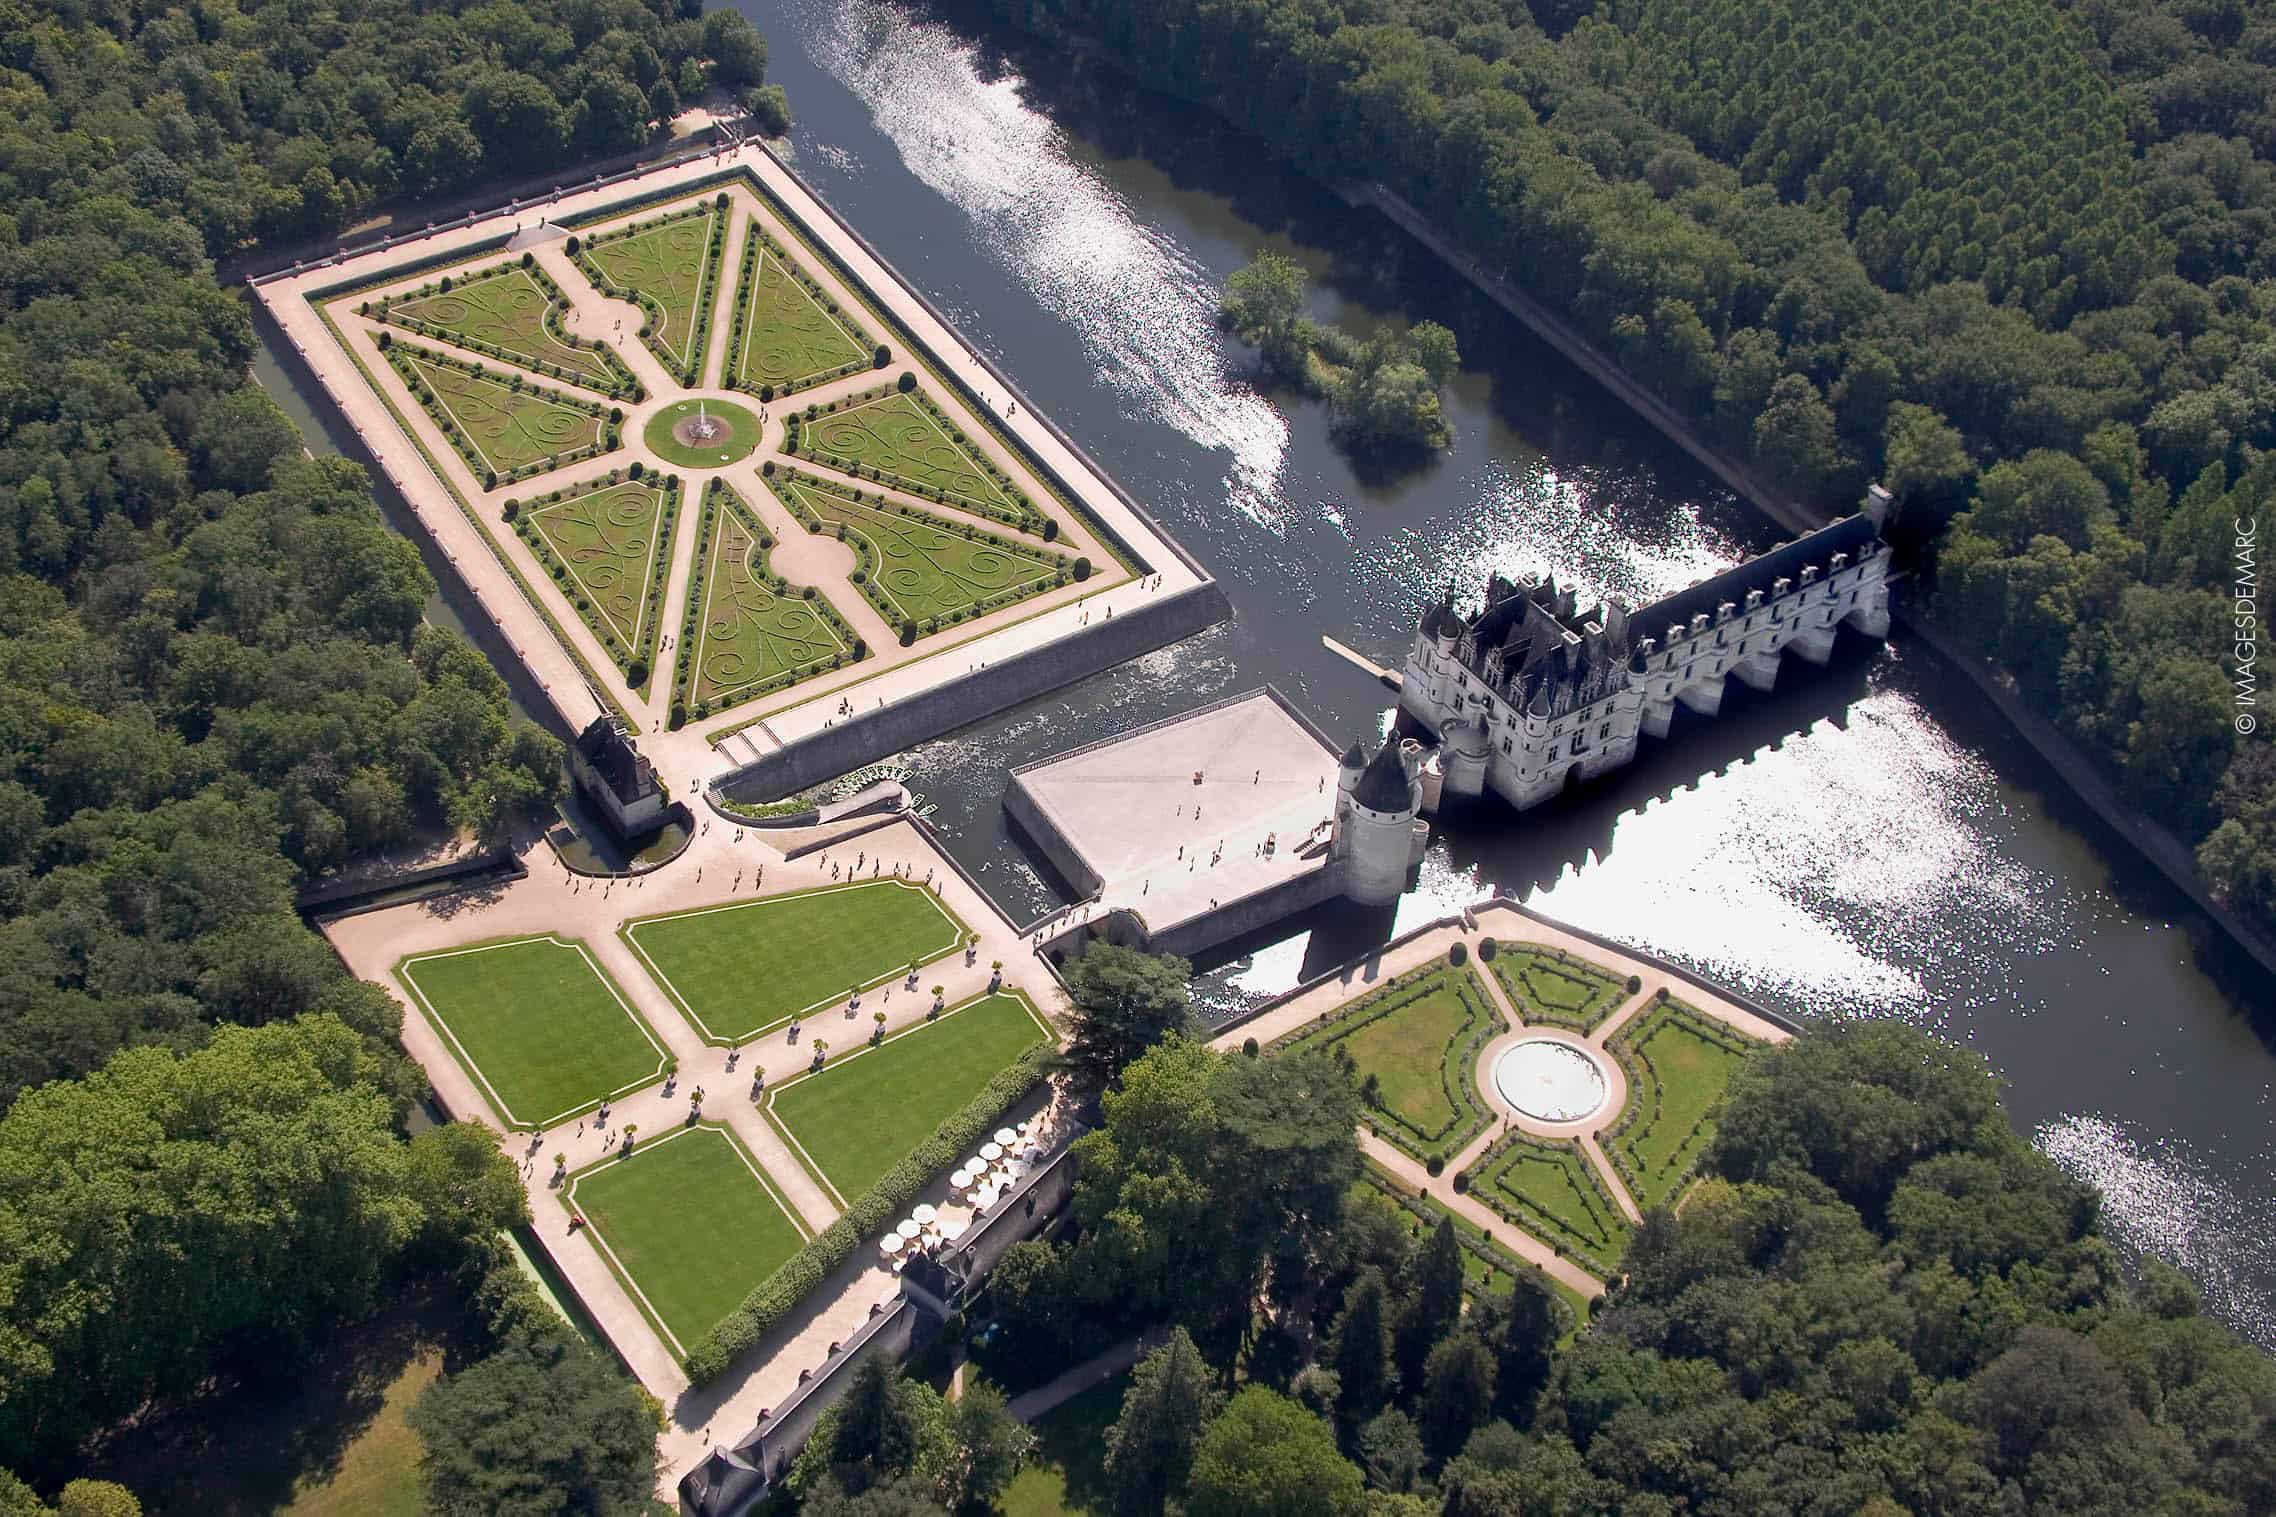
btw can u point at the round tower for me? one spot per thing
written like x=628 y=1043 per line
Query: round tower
x=1374 y=829
x=1465 y=754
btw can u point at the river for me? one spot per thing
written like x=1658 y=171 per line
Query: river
x=1867 y=841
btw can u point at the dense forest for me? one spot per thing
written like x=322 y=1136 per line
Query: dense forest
x=215 y=683
x=1880 y=1300
x=2015 y=261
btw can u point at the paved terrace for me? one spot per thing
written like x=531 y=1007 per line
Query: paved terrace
x=686 y=758
x=1170 y=821
x=1507 y=926
x=550 y=899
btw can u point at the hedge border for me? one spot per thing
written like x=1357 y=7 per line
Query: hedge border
x=799 y=1276
x=1565 y=963
x=1455 y=1062
x=1026 y=519
x=756 y=238
x=609 y=438
x=779 y=484
x=625 y=388
x=720 y=495
x=667 y=533
x=688 y=374
x=1627 y=1045
x=1519 y=1212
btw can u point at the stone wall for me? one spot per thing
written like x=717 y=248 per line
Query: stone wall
x=873 y=735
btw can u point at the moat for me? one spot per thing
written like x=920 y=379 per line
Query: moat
x=1863 y=841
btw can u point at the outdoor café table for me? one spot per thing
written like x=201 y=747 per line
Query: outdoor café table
x=991 y=1151
x=908 y=1228
x=1006 y=1136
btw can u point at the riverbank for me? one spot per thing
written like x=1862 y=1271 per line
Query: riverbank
x=2150 y=840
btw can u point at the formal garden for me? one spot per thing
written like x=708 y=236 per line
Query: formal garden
x=896 y=434
x=504 y=426
x=608 y=546
x=744 y=968
x=869 y=1105
x=1678 y=1061
x=1412 y=1046
x=1551 y=987
x=688 y=1222
x=748 y=632
x=537 y=1024
x=1487 y=1268
x=1549 y=1188
x=789 y=333
x=513 y=312
x=669 y=266
x=921 y=571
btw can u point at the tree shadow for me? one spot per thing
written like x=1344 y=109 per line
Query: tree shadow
x=247 y=1443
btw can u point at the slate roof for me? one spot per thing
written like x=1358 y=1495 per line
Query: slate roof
x=1849 y=535
x=1384 y=786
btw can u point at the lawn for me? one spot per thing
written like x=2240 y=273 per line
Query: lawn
x=515 y=311
x=1549 y=1190
x=608 y=548
x=1067 y=1475
x=668 y=266
x=753 y=633
x=898 y=434
x=497 y=423
x=1557 y=989
x=917 y=567
x=1678 y=1063
x=540 y=1026
x=1419 y=1037
x=689 y=1224
x=736 y=441
x=789 y=336
x=740 y=969
x=865 y=1111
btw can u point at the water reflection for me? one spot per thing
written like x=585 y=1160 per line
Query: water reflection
x=1865 y=841
x=1143 y=308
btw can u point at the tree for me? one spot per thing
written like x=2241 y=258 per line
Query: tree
x=1173 y=1396
x=1927 y=460
x=1526 y=1351
x=1434 y=349
x=1435 y=1305
x=1457 y=1393
x=96 y=1498
x=1122 y=1002
x=1794 y=436
x=885 y=1426
x=542 y=1426
x=770 y=109
x=738 y=53
x=1390 y=1450
x=1264 y=305
x=1363 y=1352
x=903 y=1497
x=1265 y=1456
x=991 y=1444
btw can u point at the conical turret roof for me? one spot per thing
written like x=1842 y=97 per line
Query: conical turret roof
x=1385 y=787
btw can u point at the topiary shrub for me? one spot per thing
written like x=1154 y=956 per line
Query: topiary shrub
x=1635 y=983
x=766 y=470
x=571 y=245
x=1249 y=1047
x=1436 y=1165
x=906 y=383
x=882 y=357
x=513 y=508
x=908 y=632
x=1050 y=529
x=1082 y=569
x=1487 y=948
x=1459 y=954
x=766 y=392
x=386 y=340
x=636 y=673
x=638 y=468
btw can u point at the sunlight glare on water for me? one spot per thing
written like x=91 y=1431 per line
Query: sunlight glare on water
x=1143 y=308
x=2159 y=1199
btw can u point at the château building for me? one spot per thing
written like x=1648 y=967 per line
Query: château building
x=1531 y=694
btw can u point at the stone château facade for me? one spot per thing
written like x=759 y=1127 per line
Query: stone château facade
x=1531 y=694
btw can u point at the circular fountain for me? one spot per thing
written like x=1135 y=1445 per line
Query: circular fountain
x=1550 y=1080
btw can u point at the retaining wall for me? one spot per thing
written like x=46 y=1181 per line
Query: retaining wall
x=870 y=736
